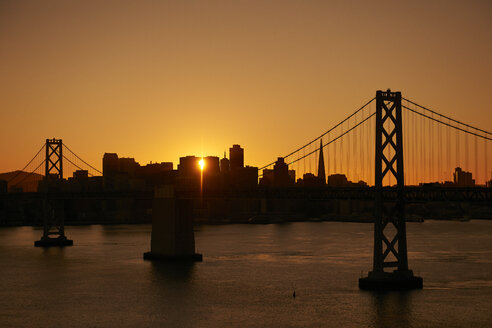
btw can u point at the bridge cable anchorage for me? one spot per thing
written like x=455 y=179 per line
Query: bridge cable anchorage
x=329 y=142
x=92 y=167
x=449 y=118
x=452 y=126
x=15 y=176
x=315 y=139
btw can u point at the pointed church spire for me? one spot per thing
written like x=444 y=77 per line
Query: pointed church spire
x=321 y=163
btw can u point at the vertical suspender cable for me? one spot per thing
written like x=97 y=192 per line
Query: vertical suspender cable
x=448 y=151
x=440 y=149
x=432 y=141
x=467 y=168
x=414 y=146
x=476 y=160
x=304 y=159
x=423 y=164
x=349 y=145
x=328 y=159
x=340 y=149
x=361 y=159
x=486 y=159
x=298 y=165
x=457 y=154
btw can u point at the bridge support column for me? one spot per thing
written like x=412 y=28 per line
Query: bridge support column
x=172 y=237
x=390 y=244
x=53 y=209
x=54 y=218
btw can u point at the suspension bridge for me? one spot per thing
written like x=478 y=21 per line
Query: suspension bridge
x=385 y=150
x=434 y=146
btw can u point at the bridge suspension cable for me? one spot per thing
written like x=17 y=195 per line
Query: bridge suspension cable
x=321 y=136
x=450 y=125
x=92 y=167
x=437 y=156
x=66 y=158
x=444 y=116
x=333 y=140
x=32 y=159
x=27 y=175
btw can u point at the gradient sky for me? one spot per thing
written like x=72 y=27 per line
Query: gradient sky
x=157 y=80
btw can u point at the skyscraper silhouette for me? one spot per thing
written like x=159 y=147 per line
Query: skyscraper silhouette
x=236 y=157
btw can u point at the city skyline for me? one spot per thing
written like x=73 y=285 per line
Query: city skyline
x=126 y=173
x=253 y=163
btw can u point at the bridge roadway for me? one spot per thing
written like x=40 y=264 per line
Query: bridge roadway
x=412 y=194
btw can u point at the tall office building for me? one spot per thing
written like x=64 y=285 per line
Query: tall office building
x=281 y=176
x=111 y=164
x=224 y=164
x=236 y=157
x=188 y=167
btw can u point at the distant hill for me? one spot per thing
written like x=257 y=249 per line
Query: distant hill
x=20 y=179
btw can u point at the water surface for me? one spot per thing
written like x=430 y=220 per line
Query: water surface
x=247 y=278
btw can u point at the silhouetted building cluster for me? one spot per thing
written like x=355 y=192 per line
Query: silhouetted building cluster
x=196 y=173
x=223 y=174
x=79 y=182
x=217 y=174
x=340 y=180
x=280 y=176
x=463 y=178
x=191 y=177
x=127 y=174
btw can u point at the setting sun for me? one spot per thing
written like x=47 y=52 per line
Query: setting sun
x=201 y=163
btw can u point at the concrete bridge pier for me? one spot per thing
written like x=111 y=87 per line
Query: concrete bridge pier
x=172 y=236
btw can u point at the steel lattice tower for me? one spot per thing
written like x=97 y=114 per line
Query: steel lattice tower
x=54 y=162
x=390 y=244
x=54 y=206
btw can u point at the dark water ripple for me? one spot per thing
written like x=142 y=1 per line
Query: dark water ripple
x=247 y=278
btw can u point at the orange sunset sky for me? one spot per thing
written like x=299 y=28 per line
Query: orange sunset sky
x=156 y=80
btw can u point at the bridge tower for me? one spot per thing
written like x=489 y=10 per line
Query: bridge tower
x=54 y=159
x=53 y=206
x=390 y=244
